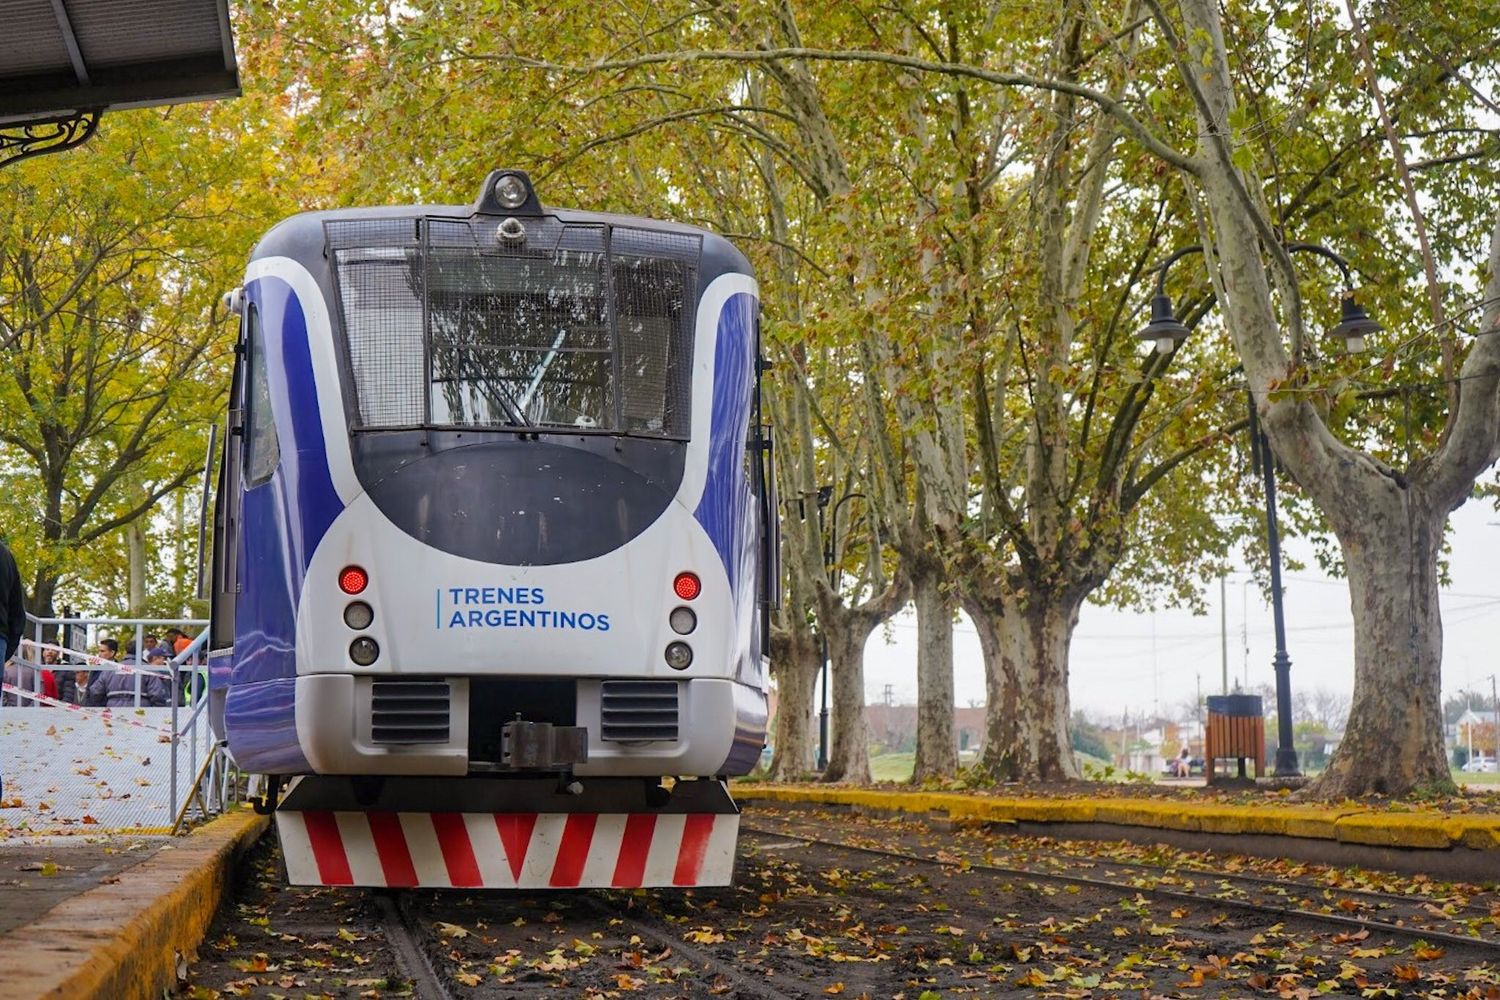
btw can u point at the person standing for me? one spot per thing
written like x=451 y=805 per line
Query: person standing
x=12 y=611
x=92 y=685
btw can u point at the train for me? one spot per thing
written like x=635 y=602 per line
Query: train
x=494 y=545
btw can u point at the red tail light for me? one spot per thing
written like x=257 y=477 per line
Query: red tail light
x=686 y=586
x=353 y=580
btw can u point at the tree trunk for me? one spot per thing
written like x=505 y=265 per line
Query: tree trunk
x=136 y=540
x=180 y=576
x=1026 y=649
x=795 y=659
x=936 y=755
x=1046 y=637
x=1002 y=689
x=849 y=742
x=1393 y=741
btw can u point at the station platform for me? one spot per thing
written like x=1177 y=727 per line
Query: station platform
x=1397 y=836
x=96 y=900
x=112 y=915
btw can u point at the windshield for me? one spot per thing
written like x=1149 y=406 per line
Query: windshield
x=571 y=326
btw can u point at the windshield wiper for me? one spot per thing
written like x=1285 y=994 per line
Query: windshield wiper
x=514 y=410
x=495 y=393
x=541 y=369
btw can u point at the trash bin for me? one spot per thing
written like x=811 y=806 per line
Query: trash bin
x=1236 y=730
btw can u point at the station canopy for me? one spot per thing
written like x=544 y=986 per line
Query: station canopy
x=71 y=59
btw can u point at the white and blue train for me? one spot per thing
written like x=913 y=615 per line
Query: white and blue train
x=495 y=545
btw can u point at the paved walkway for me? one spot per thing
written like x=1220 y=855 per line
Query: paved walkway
x=35 y=877
x=86 y=797
x=118 y=915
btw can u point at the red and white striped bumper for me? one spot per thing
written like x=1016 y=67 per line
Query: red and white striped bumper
x=507 y=850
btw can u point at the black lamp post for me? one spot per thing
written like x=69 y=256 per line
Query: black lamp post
x=1167 y=332
x=830 y=551
x=1261 y=456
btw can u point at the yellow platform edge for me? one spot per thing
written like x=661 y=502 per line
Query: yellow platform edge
x=1345 y=823
x=124 y=939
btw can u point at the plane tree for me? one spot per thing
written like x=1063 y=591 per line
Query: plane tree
x=991 y=310
x=115 y=356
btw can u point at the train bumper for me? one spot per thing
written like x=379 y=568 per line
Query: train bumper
x=506 y=833
x=424 y=725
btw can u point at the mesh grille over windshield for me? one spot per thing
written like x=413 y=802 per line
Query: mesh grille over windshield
x=449 y=322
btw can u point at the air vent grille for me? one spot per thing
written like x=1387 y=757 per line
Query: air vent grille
x=638 y=711
x=409 y=711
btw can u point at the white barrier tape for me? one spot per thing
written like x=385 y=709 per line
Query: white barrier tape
x=105 y=714
x=90 y=662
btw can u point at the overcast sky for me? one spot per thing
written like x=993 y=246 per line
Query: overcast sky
x=1117 y=664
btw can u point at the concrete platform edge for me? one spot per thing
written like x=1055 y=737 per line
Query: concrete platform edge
x=1475 y=835
x=124 y=939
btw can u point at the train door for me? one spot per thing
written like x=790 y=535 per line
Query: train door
x=763 y=480
x=226 y=531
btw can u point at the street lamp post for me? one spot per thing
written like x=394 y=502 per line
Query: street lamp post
x=830 y=551
x=1286 y=753
x=1167 y=332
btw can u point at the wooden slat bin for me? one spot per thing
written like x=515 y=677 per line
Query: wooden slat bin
x=1236 y=730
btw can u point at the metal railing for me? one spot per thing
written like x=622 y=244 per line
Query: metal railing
x=214 y=781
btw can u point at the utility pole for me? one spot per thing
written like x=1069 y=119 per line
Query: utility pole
x=1468 y=702
x=1245 y=632
x=1155 y=672
x=1223 y=633
x=1198 y=704
x=1494 y=725
x=1124 y=728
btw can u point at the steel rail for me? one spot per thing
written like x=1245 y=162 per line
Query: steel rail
x=744 y=986
x=1265 y=880
x=1461 y=901
x=404 y=935
x=1123 y=889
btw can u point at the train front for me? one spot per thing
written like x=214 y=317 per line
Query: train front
x=500 y=542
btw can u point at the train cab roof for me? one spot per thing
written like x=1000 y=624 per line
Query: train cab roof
x=305 y=237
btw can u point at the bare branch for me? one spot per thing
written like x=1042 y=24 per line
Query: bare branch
x=771 y=56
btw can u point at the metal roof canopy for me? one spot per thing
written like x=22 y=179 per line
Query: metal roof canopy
x=60 y=59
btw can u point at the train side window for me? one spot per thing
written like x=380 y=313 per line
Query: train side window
x=264 y=451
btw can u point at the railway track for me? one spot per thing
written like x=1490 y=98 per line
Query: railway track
x=1128 y=888
x=860 y=907
x=410 y=945
x=417 y=950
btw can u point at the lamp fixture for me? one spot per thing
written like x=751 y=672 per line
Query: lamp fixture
x=1354 y=324
x=1164 y=329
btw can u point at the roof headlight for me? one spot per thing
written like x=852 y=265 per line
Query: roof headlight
x=510 y=191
